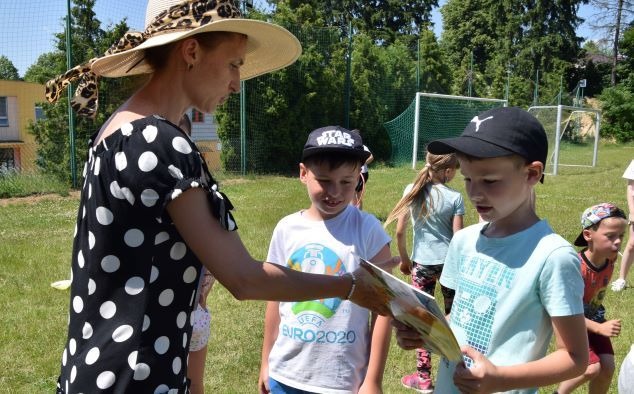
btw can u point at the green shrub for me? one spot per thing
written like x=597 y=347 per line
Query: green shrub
x=618 y=113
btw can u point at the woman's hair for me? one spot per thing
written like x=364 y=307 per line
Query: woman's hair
x=157 y=56
x=435 y=166
x=185 y=124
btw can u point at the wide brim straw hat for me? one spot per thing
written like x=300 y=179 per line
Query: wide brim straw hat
x=269 y=47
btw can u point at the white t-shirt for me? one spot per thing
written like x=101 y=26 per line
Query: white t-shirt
x=506 y=291
x=626 y=374
x=322 y=345
x=432 y=234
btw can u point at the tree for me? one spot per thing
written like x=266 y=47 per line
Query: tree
x=610 y=18
x=510 y=40
x=435 y=75
x=284 y=106
x=627 y=49
x=51 y=133
x=46 y=67
x=617 y=106
x=381 y=20
x=7 y=69
x=617 y=102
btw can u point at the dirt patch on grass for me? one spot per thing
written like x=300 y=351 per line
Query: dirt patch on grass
x=36 y=198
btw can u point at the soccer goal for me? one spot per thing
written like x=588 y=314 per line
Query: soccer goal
x=429 y=117
x=573 y=135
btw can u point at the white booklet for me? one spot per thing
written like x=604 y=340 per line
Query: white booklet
x=418 y=310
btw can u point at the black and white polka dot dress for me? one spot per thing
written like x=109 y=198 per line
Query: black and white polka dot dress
x=134 y=279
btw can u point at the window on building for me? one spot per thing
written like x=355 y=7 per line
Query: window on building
x=197 y=116
x=4 y=111
x=39 y=113
x=7 y=160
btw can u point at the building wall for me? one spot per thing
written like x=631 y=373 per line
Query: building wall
x=205 y=135
x=22 y=97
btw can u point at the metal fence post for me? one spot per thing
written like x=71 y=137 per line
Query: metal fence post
x=348 y=84
x=71 y=114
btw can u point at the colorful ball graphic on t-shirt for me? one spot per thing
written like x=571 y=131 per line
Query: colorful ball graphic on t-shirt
x=317 y=259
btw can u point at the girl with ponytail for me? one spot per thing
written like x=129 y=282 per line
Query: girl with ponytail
x=436 y=213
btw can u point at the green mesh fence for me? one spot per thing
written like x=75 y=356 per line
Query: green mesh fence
x=276 y=119
x=264 y=136
x=440 y=116
x=578 y=128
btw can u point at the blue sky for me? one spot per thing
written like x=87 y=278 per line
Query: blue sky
x=25 y=35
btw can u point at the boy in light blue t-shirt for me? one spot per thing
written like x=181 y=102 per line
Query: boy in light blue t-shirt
x=516 y=281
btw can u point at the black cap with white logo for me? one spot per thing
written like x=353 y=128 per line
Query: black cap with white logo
x=502 y=131
x=335 y=139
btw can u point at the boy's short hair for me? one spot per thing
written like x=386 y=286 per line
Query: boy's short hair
x=336 y=142
x=498 y=132
x=592 y=216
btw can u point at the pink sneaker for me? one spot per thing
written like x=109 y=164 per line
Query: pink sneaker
x=417 y=383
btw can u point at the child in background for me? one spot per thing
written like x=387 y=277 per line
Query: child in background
x=628 y=253
x=516 y=281
x=603 y=230
x=436 y=212
x=363 y=179
x=326 y=345
x=201 y=318
x=201 y=325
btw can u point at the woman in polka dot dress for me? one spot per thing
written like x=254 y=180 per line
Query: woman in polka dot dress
x=150 y=212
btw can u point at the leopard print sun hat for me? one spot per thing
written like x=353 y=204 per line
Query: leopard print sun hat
x=269 y=47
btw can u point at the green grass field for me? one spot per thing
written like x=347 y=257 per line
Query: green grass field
x=35 y=248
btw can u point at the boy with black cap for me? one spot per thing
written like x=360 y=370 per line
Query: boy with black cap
x=328 y=345
x=603 y=228
x=516 y=281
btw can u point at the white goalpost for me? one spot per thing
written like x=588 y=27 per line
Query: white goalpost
x=564 y=126
x=442 y=115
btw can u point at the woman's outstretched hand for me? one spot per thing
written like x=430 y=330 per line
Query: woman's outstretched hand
x=369 y=293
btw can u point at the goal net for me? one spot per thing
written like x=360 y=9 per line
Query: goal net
x=429 y=117
x=573 y=135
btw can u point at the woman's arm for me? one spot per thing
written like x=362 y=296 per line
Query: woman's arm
x=225 y=256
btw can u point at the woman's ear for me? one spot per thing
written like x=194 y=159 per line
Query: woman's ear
x=190 y=51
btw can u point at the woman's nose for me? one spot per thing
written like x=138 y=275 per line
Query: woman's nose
x=234 y=86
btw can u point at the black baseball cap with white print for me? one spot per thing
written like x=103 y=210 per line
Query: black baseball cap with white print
x=502 y=131
x=335 y=139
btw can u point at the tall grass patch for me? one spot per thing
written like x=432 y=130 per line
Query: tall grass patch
x=15 y=184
